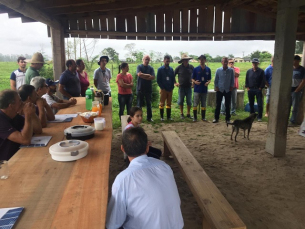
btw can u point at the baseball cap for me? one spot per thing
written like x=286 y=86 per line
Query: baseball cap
x=50 y=82
x=255 y=60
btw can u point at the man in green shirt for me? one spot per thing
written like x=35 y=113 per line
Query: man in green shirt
x=37 y=63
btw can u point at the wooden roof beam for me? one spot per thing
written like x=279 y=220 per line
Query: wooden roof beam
x=28 y=10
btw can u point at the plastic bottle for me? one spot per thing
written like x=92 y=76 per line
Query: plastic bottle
x=88 y=99
x=93 y=94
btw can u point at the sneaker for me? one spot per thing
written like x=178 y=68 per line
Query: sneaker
x=233 y=114
x=162 y=119
x=215 y=120
x=204 y=120
x=182 y=116
x=259 y=120
x=189 y=116
x=170 y=119
x=194 y=120
x=150 y=120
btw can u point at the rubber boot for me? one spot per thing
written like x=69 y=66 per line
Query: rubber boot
x=169 y=112
x=195 y=115
x=162 y=114
x=203 y=115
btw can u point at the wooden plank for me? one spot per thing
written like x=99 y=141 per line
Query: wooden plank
x=202 y=17
x=103 y=25
x=185 y=23
x=176 y=23
x=227 y=23
x=96 y=25
x=131 y=27
x=216 y=209
x=168 y=24
x=160 y=25
x=141 y=25
x=193 y=22
x=120 y=26
x=61 y=194
x=218 y=21
x=111 y=26
x=81 y=26
x=150 y=25
x=206 y=17
x=73 y=26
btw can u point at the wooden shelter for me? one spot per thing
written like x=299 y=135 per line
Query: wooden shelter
x=282 y=20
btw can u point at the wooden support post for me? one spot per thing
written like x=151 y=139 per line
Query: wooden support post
x=58 y=50
x=285 y=36
x=301 y=112
x=166 y=152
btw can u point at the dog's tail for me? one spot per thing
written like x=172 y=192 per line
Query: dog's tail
x=229 y=124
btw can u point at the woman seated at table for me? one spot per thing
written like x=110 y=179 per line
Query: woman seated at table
x=125 y=84
x=83 y=76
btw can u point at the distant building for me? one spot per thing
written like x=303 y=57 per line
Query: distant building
x=238 y=59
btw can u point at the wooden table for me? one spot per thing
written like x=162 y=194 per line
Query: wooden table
x=61 y=194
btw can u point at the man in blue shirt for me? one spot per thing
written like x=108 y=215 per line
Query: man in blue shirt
x=268 y=74
x=166 y=82
x=255 y=82
x=201 y=79
x=224 y=84
x=144 y=85
x=144 y=195
x=69 y=85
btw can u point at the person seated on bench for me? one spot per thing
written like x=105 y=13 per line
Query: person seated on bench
x=14 y=128
x=134 y=120
x=144 y=195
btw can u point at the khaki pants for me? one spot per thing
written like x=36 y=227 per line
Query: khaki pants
x=165 y=95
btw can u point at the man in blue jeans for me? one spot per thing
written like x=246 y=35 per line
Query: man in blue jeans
x=223 y=83
x=298 y=83
x=255 y=82
x=144 y=85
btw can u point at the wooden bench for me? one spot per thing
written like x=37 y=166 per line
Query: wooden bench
x=123 y=125
x=217 y=211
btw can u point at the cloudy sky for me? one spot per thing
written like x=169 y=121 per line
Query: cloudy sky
x=27 y=38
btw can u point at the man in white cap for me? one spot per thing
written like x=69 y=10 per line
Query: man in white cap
x=54 y=102
x=184 y=71
x=37 y=63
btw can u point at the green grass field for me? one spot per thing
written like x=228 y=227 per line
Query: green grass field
x=7 y=67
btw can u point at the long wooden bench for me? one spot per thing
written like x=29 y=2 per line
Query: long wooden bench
x=217 y=211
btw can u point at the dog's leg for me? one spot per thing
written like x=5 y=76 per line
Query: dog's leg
x=249 y=132
x=233 y=128
x=244 y=133
x=237 y=130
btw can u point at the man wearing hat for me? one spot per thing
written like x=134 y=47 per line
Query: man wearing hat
x=102 y=76
x=145 y=74
x=298 y=83
x=184 y=71
x=69 y=84
x=54 y=102
x=18 y=76
x=37 y=63
x=201 y=79
x=255 y=83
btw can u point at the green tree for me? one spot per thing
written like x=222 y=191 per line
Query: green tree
x=111 y=53
x=208 y=57
x=131 y=49
x=230 y=56
x=217 y=59
x=255 y=54
x=299 y=47
x=182 y=52
x=176 y=58
x=265 y=56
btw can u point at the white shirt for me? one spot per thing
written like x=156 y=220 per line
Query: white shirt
x=51 y=100
x=103 y=79
x=145 y=195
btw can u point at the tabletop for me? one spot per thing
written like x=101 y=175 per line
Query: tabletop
x=61 y=194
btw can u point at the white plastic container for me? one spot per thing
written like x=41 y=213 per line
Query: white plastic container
x=80 y=132
x=69 y=150
x=99 y=123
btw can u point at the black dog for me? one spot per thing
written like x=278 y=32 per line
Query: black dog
x=244 y=124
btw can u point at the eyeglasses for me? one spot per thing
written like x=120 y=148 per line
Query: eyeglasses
x=231 y=62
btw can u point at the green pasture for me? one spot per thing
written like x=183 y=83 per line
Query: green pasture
x=7 y=67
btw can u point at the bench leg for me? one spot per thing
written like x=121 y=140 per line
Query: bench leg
x=205 y=224
x=166 y=152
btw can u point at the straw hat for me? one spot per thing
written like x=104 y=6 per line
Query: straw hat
x=37 y=58
x=184 y=57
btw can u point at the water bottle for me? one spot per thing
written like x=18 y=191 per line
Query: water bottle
x=88 y=99
x=93 y=94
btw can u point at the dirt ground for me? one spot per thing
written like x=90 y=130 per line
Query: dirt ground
x=266 y=192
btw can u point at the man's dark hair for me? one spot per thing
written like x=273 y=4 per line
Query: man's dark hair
x=134 y=141
x=20 y=58
x=25 y=91
x=297 y=57
x=7 y=97
x=167 y=57
x=69 y=63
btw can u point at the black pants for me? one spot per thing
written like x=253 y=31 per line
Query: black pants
x=124 y=100
x=140 y=100
x=154 y=152
x=219 y=96
x=252 y=93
